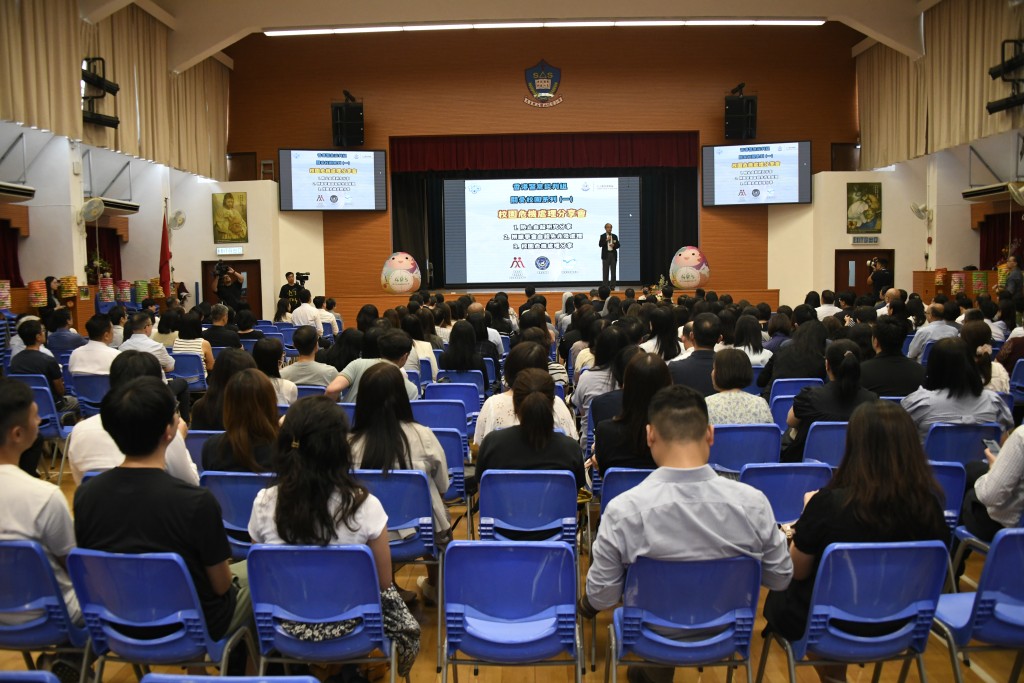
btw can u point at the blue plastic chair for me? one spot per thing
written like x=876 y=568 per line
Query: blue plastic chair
x=116 y=593
x=492 y=372
x=249 y=344
x=32 y=380
x=618 y=480
x=468 y=377
x=868 y=583
x=739 y=445
x=1017 y=381
x=784 y=485
x=752 y=388
x=91 y=390
x=1007 y=399
x=531 y=619
x=444 y=414
x=350 y=411
x=288 y=333
x=952 y=477
x=720 y=614
x=456 y=391
x=452 y=443
x=34 y=676
x=188 y=678
x=528 y=500
x=194 y=441
x=189 y=367
x=927 y=352
x=791 y=386
x=894 y=399
x=236 y=492
x=780 y=406
x=282 y=325
x=506 y=344
x=826 y=442
x=437 y=353
x=906 y=343
x=266 y=328
x=994 y=614
x=289 y=582
x=69 y=379
x=426 y=372
x=29 y=586
x=968 y=541
x=217 y=351
x=413 y=376
x=309 y=390
x=51 y=428
x=959 y=442
x=405 y=496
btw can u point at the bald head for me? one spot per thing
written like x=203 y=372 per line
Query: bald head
x=892 y=295
x=475 y=307
x=934 y=312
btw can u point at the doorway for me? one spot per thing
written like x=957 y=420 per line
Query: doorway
x=251 y=284
x=852 y=268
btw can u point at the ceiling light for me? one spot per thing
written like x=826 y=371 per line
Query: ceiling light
x=369 y=29
x=788 y=22
x=652 y=22
x=300 y=32
x=578 y=24
x=720 y=22
x=528 y=24
x=438 y=27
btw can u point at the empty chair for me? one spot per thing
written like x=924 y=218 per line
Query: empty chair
x=445 y=414
x=784 y=484
x=189 y=367
x=235 y=492
x=116 y=594
x=194 y=441
x=714 y=623
x=531 y=619
x=991 y=616
x=467 y=377
x=952 y=477
x=860 y=584
x=961 y=443
x=780 y=407
x=551 y=509
x=826 y=442
x=310 y=390
x=187 y=678
x=739 y=445
x=287 y=583
x=29 y=589
x=36 y=676
x=91 y=390
x=792 y=386
x=452 y=443
x=455 y=391
x=616 y=480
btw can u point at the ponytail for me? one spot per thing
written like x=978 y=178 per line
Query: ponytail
x=533 y=398
x=843 y=358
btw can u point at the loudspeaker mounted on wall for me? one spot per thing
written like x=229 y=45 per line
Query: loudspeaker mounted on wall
x=740 y=117
x=347 y=123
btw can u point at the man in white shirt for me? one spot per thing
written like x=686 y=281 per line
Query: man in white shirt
x=142 y=327
x=683 y=511
x=91 y=448
x=95 y=357
x=305 y=313
x=306 y=370
x=33 y=509
x=828 y=304
x=939 y=326
x=326 y=317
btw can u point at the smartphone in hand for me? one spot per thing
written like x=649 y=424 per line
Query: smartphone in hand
x=991 y=445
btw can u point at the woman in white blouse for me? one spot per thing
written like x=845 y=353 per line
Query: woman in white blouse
x=747 y=338
x=978 y=337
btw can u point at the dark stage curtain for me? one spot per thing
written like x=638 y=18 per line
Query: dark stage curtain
x=668 y=212
x=519 y=152
x=106 y=241
x=9 y=267
x=997 y=232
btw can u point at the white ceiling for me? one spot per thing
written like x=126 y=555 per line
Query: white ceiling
x=201 y=28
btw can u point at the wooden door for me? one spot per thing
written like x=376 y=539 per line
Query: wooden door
x=852 y=268
x=251 y=283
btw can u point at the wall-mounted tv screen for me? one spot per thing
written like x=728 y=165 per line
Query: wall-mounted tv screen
x=757 y=173
x=332 y=180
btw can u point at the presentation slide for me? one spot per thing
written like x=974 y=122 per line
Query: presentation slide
x=539 y=230
x=332 y=180
x=763 y=173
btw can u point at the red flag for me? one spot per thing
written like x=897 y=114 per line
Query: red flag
x=165 y=260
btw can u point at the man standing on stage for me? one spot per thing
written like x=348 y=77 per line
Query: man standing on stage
x=609 y=244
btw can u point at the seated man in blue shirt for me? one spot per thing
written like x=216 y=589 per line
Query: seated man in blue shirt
x=60 y=339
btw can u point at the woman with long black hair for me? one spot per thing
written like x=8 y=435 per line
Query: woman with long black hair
x=664 y=337
x=462 y=354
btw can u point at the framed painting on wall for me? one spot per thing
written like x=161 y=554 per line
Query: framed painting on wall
x=229 y=218
x=863 y=208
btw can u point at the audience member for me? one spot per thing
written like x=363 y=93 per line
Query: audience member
x=95 y=357
x=731 y=374
x=345 y=349
x=828 y=308
x=138 y=507
x=306 y=314
x=32 y=361
x=622 y=440
x=995 y=491
x=940 y=326
x=190 y=339
x=380 y=345
x=283 y=312
x=977 y=337
x=118 y=317
x=883 y=491
x=208 y=412
x=664 y=337
x=246 y=322
x=833 y=401
x=555 y=369
x=326 y=317
x=682 y=511
x=747 y=338
x=803 y=356
x=953 y=392
x=306 y=370
x=166 y=330
x=250 y=426
x=268 y=354
x=779 y=329
x=609 y=404
x=60 y=338
x=413 y=326
x=462 y=354
x=598 y=379
x=695 y=371
x=219 y=334
x=890 y=373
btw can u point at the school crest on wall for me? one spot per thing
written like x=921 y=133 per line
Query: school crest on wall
x=542 y=81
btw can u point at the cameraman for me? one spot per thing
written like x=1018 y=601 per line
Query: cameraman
x=290 y=291
x=228 y=285
x=880 y=278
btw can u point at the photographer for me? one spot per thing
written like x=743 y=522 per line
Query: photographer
x=290 y=291
x=880 y=278
x=228 y=285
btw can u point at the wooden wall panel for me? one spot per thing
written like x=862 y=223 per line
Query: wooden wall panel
x=472 y=82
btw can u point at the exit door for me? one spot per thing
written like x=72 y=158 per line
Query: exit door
x=852 y=269
x=251 y=284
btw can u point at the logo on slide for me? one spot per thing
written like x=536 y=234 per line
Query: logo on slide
x=474 y=188
x=542 y=80
x=517 y=262
x=334 y=199
x=756 y=193
x=319 y=197
x=568 y=262
x=743 y=193
x=542 y=263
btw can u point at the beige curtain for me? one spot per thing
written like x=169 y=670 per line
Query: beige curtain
x=891 y=104
x=200 y=107
x=134 y=45
x=908 y=109
x=40 y=64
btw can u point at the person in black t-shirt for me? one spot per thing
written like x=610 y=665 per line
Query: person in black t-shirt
x=139 y=508
x=229 y=288
x=32 y=361
x=290 y=291
x=880 y=278
x=219 y=334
